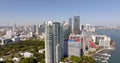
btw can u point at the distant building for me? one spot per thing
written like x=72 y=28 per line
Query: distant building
x=14 y=27
x=30 y=34
x=88 y=27
x=65 y=30
x=41 y=37
x=15 y=39
x=39 y=29
x=34 y=28
x=82 y=27
x=30 y=28
x=9 y=34
x=5 y=41
x=53 y=42
x=70 y=25
x=76 y=28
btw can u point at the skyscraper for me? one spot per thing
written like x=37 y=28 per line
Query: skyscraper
x=88 y=27
x=76 y=28
x=53 y=42
x=70 y=25
x=39 y=29
x=14 y=27
x=65 y=30
x=74 y=45
x=81 y=27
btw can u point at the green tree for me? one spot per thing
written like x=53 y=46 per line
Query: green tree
x=9 y=61
x=28 y=60
x=75 y=59
x=2 y=61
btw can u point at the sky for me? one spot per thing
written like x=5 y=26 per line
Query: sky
x=29 y=12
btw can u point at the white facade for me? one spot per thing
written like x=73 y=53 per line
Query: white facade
x=27 y=54
x=77 y=44
x=9 y=34
x=2 y=41
x=93 y=38
x=41 y=51
x=31 y=34
x=1 y=59
x=74 y=48
x=102 y=40
x=41 y=37
x=16 y=59
x=105 y=42
x=96 y=38
x=88 y=28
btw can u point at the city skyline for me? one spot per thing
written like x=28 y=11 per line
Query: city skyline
x=25 y=12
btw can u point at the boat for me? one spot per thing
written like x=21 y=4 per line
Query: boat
x=106 y=54
x=111 y=48
x=104 y=61
x=107 y=58
x=99 y=59
x=102 y=57
x=109 y=55
x=96 y=59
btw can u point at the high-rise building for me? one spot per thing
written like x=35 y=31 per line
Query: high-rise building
x=74 y=45
x=39 y=29
x=81 y=27
x=70 y=25
x=76 y=28
x=14 y=27
x=88 y=27
x=53 y=42
x=34 y=28
x=65 y=30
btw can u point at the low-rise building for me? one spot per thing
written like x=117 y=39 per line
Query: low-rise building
x=2 y=59
x=15 y=39
x=41 y=51
x=27 y=54
x=5 y=41
x=102 y=40
x=105 y=42
x=15 y=59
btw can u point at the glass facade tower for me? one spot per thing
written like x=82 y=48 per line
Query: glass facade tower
x=76 y=28
x=53 y=42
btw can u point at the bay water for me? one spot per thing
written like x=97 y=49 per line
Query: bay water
x=115 y=36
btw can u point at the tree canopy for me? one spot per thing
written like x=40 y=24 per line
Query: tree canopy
x=12 y=50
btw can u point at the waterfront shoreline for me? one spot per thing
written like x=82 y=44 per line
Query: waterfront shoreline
x=96 y=52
